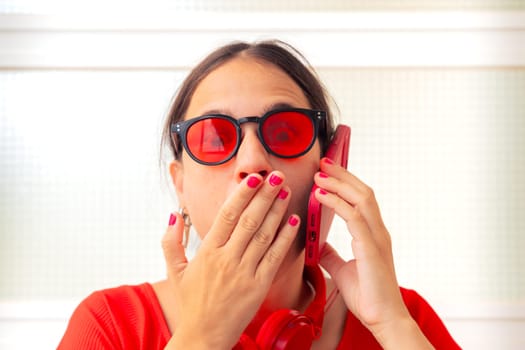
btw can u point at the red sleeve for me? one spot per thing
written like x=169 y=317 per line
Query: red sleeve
x=120 y=318
x=357 y=336
x=90 y=326
x=429 y=322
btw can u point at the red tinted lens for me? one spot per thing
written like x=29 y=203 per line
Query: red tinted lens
x=288 y=133
x=212 y=140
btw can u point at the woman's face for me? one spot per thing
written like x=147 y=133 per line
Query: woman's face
x=242 y=87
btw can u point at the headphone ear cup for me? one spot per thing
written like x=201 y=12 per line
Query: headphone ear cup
x=286 y=329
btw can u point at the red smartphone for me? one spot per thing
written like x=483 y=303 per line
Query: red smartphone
x=319 y=218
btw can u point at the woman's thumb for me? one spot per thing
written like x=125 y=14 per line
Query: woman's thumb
x=174 y=252
x=330 y=260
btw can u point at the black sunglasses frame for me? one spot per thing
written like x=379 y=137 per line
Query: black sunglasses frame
x=181 y=128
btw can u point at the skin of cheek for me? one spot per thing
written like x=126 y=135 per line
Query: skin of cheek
x=203 y=197
x=301 y=188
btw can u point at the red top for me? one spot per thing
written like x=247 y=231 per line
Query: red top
x=130 y=317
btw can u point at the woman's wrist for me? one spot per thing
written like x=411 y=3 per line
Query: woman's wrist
x=186 y=341
x=189 y=344
x=182 y=339
x=403 y=333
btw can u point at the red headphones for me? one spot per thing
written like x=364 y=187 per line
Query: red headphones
x=289 y=329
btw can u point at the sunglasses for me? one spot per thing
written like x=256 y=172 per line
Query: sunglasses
x=214 y=139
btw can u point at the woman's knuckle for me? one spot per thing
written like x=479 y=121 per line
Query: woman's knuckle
x=273 y=257
x=228 y=216
x=354 y=214
x=368 y=195
x=248 y=223
x=386 y=243
x=165 y=244
x=262 y=237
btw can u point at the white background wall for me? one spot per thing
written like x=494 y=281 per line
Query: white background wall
x=435 y=100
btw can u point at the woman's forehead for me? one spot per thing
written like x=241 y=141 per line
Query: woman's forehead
x=245 y=85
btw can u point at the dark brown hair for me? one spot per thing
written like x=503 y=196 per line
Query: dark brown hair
x=275 y=52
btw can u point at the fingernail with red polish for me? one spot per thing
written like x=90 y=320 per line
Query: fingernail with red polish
x=293 y=220
x=323 y=175
x=323 y=192
x=282 y=194
x=275 y=180
x=253 y=181
x=173 y=220
x=328 y=161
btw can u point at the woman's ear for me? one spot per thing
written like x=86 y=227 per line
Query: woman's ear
x=177 y=176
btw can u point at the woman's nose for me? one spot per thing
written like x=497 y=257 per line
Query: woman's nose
x=251 y=157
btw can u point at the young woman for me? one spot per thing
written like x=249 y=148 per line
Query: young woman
x=248 y=129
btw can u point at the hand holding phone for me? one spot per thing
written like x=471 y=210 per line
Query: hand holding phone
x=319 y=218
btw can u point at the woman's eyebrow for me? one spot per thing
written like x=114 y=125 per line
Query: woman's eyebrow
x=274 y=106
x=216 y=111
x=279 y=105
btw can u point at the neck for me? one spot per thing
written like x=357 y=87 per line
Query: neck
x=295 y=289
x=289 y=290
